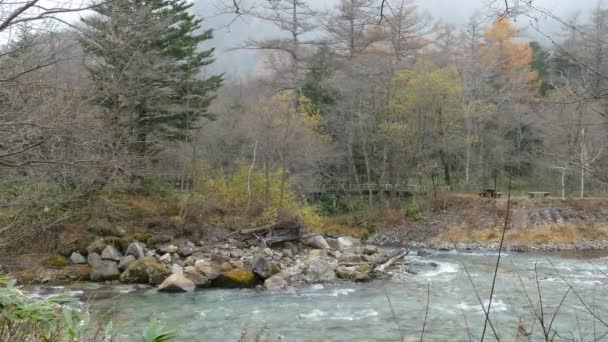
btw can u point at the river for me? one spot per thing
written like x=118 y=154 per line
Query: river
x=361 y=311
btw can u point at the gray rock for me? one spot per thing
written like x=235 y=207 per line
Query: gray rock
x=111 y=253
x=177 y=283
x=125 y=262
x=177 y=269
x=345 y=242
x=226 y=266
x=356 y=273
x=104 y=271
x=168 y=249
x=146 y=270
x=94 y=259
x=135 y=249
x=319 y=270
x=264 y=267
x=422 y=252
x=370 y=250
x=236 y=253
x=207 y=269
x=77 y=258
x=197 y=277
x=350 y=258
x=186 y=249
x=165 y=258
x=275 y=283
x=317 y=241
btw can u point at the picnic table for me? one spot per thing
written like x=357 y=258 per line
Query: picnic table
x=490 y=193
x=541 y=194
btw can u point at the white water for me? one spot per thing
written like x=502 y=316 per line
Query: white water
x=360 y=312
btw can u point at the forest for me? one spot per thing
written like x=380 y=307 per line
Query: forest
x=113 y=117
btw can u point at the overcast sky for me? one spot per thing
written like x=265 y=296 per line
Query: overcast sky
x=456 y=12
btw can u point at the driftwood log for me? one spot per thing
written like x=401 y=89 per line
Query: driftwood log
x=271 y=234
x=386 y=262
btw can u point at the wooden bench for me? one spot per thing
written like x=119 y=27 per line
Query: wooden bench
x=490 y=193
x=534 y=194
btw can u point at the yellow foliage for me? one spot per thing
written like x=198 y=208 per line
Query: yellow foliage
x=501 y=49
x=264 y=193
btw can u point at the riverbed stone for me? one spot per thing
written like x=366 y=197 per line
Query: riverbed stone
x=345 y=242
x=165 y=258
x=186 y=249
x=316 y=241
x=264 y=267
x=371 y=250
x=237 y=277
x=226 y=266
x=125 y=261
x=177 y=269
x=177 y=283
x=350 y=258
x=197 y=277
x=105 y=271
x=167 y=249
x=111 y=253
x=136 y=250
x=353 y=273
x=145 y=271
x=77 y=258
x=319 y=270
x=317 y=253
x=94 y=259
x=208 y=269
x=275 y=283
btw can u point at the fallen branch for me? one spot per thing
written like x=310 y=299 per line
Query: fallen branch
x=382 y=267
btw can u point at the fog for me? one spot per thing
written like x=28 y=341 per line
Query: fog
x=231 y=32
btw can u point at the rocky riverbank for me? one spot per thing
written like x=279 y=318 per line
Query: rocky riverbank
x=580 y=246
x=184 y=266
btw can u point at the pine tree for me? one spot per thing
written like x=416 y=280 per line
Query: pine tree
x=146 y=66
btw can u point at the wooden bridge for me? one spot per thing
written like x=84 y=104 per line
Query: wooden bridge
x=402 y=190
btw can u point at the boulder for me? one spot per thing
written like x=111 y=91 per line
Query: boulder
x=197 y=277
x=77 y=272
x=111 y=253
x=236 y=253
x=345 y=242
x=97 y=246
x=177 y=283
x=168 y=249
x=94 y=259
x=317 y=241
x=356 y=273
x=136 y=250
x=264 y=267
x=125 y=262
x=145 y=271
x=226 y=266
x=165 y=258
x=177 y=269
x=208 y=269
x=350 y=258
x=104 y=271
x=237 y=263
x=275 y=283
x=186 y=249
x=237 y=277
x=422 y=253
x=370 y=250
x=77 y=258
x=319 y=270
x=317 y=253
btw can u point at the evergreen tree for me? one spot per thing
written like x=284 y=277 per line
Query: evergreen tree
x=540 y=64
x=146 y=66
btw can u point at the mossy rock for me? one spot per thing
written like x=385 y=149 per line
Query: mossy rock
x=56 y=261
x=25 y=276
x=237 y=277
x=145 y=271
x=77 y=272
x=433 y=264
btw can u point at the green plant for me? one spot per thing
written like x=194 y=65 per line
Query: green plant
x=154 y=333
